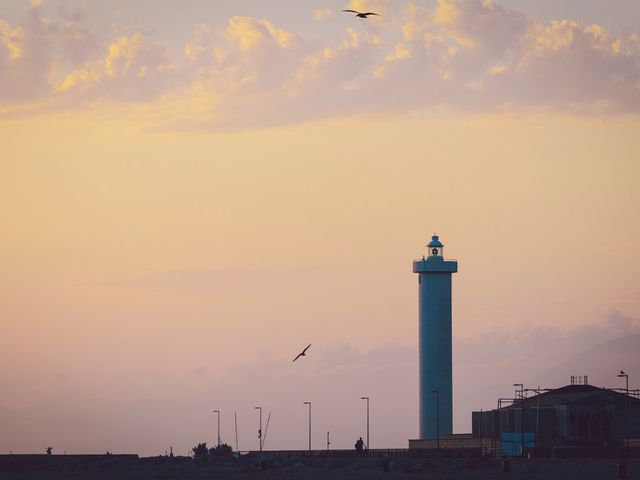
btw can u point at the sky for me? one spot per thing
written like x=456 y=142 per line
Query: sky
x=190 y=194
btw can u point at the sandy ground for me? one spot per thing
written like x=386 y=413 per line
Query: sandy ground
x=331 y=468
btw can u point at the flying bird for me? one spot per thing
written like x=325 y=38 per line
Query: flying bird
x=302 y=354
x=362 y=14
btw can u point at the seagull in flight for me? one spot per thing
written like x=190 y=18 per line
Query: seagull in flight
x=302 y=353
x=362 y=14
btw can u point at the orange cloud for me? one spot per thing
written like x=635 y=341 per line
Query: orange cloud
x=463 y=54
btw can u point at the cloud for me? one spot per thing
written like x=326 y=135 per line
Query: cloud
x=486 y=366
x=466 y=55
x=133 y=68
x=322 y=15
x=77 y=42
x=377 y=6
x=77 y=410
x=26 y=59
x=542 y=345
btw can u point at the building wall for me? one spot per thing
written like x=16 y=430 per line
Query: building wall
x=595 y=423
x=483 y=446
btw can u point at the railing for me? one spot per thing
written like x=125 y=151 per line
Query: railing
x=635 y=393
x=424 y=259
x=378 y=452
x=375 y=453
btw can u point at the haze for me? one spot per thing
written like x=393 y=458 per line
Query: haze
x=191 y=194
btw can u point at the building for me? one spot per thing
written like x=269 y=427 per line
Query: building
x=573 y=415
x=436 y=391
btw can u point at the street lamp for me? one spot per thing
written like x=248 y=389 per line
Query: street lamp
x=537 y=392
x=521 y=415
x=437 y=392
x=626 y=378
x=367 y=399
x=218 y=412
x=260 y=427
x=309 y=403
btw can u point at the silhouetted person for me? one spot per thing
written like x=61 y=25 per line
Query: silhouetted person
x=360 y=446
x=49 y=450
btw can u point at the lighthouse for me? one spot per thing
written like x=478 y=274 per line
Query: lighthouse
x=434 y=291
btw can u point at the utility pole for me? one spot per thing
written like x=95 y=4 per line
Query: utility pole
x=309 y=403
x=328 y=442
x=260 y=427
x=367 y=399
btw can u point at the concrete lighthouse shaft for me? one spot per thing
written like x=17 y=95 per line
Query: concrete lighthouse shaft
x=436 y=390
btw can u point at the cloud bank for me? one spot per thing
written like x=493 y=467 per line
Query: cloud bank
x=175 y=406
x=467 y=55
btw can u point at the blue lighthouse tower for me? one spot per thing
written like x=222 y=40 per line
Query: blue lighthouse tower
x=436 y=391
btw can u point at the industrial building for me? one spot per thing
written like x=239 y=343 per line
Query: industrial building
x=574 y=415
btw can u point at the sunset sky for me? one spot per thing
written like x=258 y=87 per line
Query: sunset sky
x=191 y=192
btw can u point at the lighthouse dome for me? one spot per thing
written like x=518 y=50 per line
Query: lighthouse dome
x=435 y=242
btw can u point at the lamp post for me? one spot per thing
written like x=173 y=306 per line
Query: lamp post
x=626 y=378
x=437 y=392
x=537 y=392
x=367 y=399
x=309 y=403
x=521 y=416
x=218 y=412
x=260 y=427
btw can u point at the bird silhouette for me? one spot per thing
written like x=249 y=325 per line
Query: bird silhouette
x=362 y=14
x=302 y=353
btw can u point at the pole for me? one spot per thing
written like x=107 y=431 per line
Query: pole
x=481 y=436
x=437 y=392
x=626 y=378
x=309 y=403
x=235 y=416
x=367 y=399
x=218 y=412
x=522 y=425
x=309 y=426
x=626 y=450
x=260 y=427
x=328 y=442
x=537 y=419
x=521 y=416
